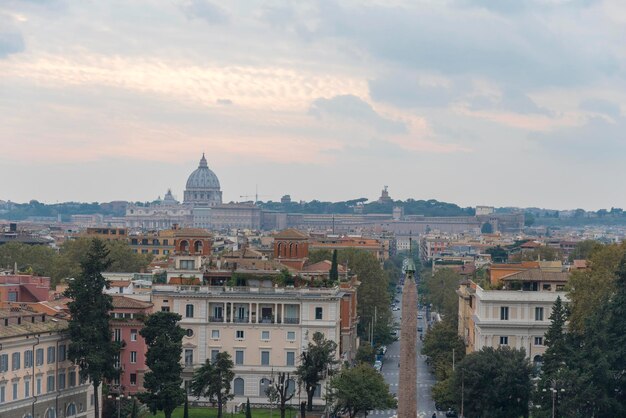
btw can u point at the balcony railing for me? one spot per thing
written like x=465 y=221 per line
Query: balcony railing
x=241 y=319
x=216 y=319
x=291 y=320
x=267 y=320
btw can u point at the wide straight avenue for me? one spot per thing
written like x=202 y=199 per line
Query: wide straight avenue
x=425 y=379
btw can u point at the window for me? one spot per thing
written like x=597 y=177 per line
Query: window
x=291 y=335
x=62 y=352
x=238 y=387
x=133 y=335
x=2 y=394
x=188 y=357
x=14 y=391
x=538 y=340
x=189 y=311
x=71 y=410
x=50 y=383
x=214 y=354
x=38 y=384
x=27 y=388
x=319 y=313
x=538 y=314
x=265 y=335
x=215 y=334
x=133 y=379
x=504 y=340
x=117 y=334
x=504 y=313
x=291 y=358
x=28 y=358
x=189 y=332
x=239 y=334
x=264 y=383
x=51 y=413
x=165 y=308
x=187 y=264
x=4 y=362
x=61 y=380
x=265 y=358
x=39 y=357
x=15 y=361
x=51 y=355
x=72 y=378
x=239 y=357
x=133 y=357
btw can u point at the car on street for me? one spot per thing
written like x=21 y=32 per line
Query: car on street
x=395 y=308
x=420 y=317
x=378 y=365
x=383 y=349
x=419 y=329
x=451 y=413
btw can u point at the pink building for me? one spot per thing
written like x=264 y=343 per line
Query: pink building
x=126 y=322
x=24 y=288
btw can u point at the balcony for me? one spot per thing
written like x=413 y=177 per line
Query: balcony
x=241 y=319
x=291 y=320
x=267 y=320
x=216 y=319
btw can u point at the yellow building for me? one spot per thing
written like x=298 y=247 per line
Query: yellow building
x=36 y=378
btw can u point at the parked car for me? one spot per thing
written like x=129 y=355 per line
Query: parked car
x=378 y=365
x=395 y=308
x=419 y=329
x=383 y=349
x=451 y=413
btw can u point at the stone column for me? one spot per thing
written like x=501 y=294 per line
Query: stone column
x=407 y=383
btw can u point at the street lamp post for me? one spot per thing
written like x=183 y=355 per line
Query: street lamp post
x=118 y=400
x=554 y=390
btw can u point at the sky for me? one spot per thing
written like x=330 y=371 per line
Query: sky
x=476 y=102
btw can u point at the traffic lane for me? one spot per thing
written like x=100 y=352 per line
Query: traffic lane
x=425 y=379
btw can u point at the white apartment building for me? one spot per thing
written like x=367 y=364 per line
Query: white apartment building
x=36 y=378
x=265 y=329
x=515 y=318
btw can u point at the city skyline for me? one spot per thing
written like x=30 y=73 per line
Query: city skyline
x=468 y=102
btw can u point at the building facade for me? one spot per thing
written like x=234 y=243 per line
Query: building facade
x=36 y=378
x=264 y=329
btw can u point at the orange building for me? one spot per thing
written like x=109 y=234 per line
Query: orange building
x=498 y=271
x=379 y=248
x=291 y=248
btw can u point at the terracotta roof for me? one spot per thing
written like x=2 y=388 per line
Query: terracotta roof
x=119 y=283
x=124 y=302
x=530 y=244
x=324 y=266
x=580 y=264
x=537 y=275
x=291 y=233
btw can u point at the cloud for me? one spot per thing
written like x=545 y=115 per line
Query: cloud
x=404 y=89
x=510 y=100
x=599 y=106
x=596 y=140
x=352 y=108
x=11 y=40
x=205 y=10
x=224 y=102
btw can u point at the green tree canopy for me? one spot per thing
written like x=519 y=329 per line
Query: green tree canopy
x=360 y=389
x=440 y=290
x=315 y=362
x=35 y=259
x=494 y=383
x=163 y=382
x=212 y=380
x=91 y=346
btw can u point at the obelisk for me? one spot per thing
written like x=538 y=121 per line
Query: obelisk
x=407 y=384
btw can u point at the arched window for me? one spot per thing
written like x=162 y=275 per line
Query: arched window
x=197 y=246
x=238 y=387
x=184 y=245
x=28 y=416
x=189 y=311
x=263 y=385
x=50 y=413
x=279 y=248
x=291 y=387
x=290 y=249
x=71 y=410
x=537 y=362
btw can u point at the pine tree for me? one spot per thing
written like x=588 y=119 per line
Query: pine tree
x=91 y=347
x=163 y=382
x=555 y=340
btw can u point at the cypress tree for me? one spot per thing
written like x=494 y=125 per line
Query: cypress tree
x=333 y=275
x=248 y=411
x=91 y=347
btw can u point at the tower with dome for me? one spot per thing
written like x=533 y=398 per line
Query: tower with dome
x=203 y=187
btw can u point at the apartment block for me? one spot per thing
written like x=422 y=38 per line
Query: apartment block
x=36 y=378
